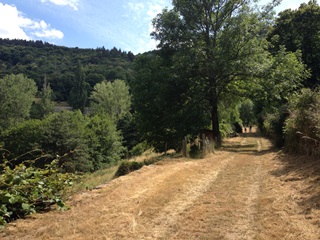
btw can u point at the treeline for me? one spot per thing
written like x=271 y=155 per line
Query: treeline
x=81 y=143
x=40 y=153
x=36 y=59
x=293 y=122
x=245 y=68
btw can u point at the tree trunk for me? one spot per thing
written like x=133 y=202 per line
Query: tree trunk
x=215 y=122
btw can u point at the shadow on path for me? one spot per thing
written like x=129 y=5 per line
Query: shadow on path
x=305 y=171
x=248 y=143
x=298 y=172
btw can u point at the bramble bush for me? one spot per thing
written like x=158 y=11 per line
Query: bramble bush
x=26 y=190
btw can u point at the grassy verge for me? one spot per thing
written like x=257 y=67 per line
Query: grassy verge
x=91 y=180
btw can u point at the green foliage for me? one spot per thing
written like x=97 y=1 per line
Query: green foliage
x=299 y=30
x=23 y=141
x=283 y=74
x=35 y=59
x=104 y=141
x=273 y=123
x=302 y=128
x=60 y=134
x=139 y=149
x=167 y=107
x=229 y=116
x=25 y=190
x=79 y=92
x=112 y=99
x=64 y=134
x=226 y=129
x=16 y=96
x=246 y=109
x=46 y=105
x=83 y=144
x=131 y=136
x=127 y=167
x=215 y=44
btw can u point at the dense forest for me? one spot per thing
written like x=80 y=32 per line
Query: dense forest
x=221 y=66
x=36 y=59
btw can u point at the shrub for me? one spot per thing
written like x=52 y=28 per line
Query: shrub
x=302 y=128
x=60 y=134
x=128 y=167
x=104 y=141
x=84 y=144
x=226 y=129
x=25 y=190
x=22 y=141
x=273 y=125
x=139 y=149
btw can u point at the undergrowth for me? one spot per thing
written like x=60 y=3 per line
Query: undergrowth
x=27 y=189
x=127 y=167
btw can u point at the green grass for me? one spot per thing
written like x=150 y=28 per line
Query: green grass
x=91 y=180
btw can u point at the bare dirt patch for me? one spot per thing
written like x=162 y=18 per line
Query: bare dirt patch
x=244 y=191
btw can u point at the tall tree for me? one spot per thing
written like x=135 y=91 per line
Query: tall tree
x=168 y=107
x=111 y=98
x=223 y=40
x=299 y=30
x=79 y=92
x=46 y=105
x=17 y=93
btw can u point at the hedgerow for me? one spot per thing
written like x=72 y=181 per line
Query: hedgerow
x=302 y=128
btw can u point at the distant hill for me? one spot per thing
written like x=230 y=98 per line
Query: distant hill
x=35 y=59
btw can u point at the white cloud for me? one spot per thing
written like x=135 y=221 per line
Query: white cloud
x=49 y=33
x=11 y=22
x=72 y=3
x=154 y=9
x=14 y=25
x=137 y=7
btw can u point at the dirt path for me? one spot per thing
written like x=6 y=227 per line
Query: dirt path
x=245 y=191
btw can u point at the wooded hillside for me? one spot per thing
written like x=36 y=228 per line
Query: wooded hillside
x=35 y=59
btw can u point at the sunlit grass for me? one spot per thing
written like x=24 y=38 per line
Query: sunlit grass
x=91 y=180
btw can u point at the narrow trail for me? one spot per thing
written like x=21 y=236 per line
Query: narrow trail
x=236 y=193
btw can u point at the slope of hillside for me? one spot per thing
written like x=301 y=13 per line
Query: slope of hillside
x=35 y=59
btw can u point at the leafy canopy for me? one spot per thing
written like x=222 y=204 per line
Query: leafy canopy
x=112 y=99
x=299 y=30
x=211 y=45
x=17 y=93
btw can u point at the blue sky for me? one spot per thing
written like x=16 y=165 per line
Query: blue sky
x=124 y=24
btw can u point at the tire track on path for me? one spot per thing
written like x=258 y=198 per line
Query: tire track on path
x=173 y=210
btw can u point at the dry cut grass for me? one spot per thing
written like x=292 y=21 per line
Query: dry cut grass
x=247 y=191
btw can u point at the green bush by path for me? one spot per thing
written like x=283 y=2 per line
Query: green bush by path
x=302 y=128
x=25 y=190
